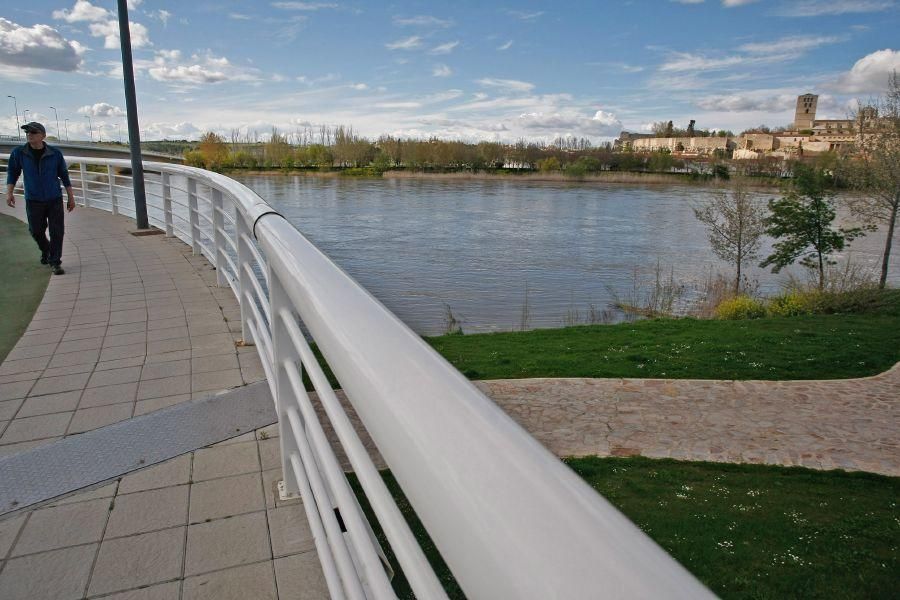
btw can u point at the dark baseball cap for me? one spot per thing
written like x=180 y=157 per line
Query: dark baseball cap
x=34 y=126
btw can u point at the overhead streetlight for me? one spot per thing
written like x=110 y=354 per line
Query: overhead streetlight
x=16 y=110
x=100 y=133
x=90 y=127
x=57 y=123
x=25 y=115
x=66 y=123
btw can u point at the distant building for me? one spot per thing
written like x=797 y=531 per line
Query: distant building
x=805 y=114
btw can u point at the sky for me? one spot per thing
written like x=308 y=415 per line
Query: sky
x=459 y=70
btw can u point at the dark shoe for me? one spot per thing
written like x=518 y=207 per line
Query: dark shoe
x=58 y=270
x=43 y=259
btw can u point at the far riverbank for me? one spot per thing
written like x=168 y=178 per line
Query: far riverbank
x=605 y=177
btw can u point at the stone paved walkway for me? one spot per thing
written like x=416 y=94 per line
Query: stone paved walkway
x=136 y=324
x=849 y=424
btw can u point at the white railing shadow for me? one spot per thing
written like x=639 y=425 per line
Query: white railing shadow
x=508 y=517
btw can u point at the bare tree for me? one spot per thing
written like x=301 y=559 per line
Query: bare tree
x=875 y=167
x=735 y=224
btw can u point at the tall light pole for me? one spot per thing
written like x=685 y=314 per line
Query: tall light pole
x=66 y=123
x=100 y=133
x=16 y=110
x=134 y=132
x=25 y=115
x=57 y=123
x=90 y=127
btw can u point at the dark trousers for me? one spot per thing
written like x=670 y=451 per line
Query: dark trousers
x=42 y=215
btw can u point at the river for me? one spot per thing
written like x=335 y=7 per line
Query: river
x=489 y=251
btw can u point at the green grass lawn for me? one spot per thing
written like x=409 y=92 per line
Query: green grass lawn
x=830 y=346
x=746 y=531
x=24 y=281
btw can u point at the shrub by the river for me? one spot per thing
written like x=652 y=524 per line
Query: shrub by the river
x=790 y=304
x=740 y=307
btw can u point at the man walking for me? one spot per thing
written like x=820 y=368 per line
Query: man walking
x=44 y=167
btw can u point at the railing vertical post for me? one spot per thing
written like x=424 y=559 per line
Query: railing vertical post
x=83 y=172
x=284 y=356
x=194 y=216
x=244 y=258
x=112 y=189
x=167 y=204
x=218 y=237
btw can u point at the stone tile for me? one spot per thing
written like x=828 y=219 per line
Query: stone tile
x=207 y=327
x=127 y=316
x=35 y=428
x=125 y=328
x=100 y=318
x=212 y=351
x=145 y=559
x=215 y=340
x=170 y=345
x=60 y=575
x=19 y=389
x=47 y=323
x=157 y=388
x=147 y=406
x=244 y=437
x=300 y=577
x=86 y=419
x=31 y=376
x=227 y=543
x=120 y=363
x=94 y=331
x=290 y=530
x=158 y=335
x=25 y=365
x=62 y=526
x=105 y=491
x=166 y=369
x=55 y=385
x=9 y=408
x=54 y=403
x=31 y=351
x=148 y=511
x=75 y=358
x=270 y=453
x=223 y=461
x=163 y=591
x=268 y=432
x=226 y=497
x=9 y=529
x=166 y=323
x=110 y=394
x=255 y=581
x=114 y=376
x=118 y=352
x=178 y=355
x=79 y=345
x=216 y=380
x=223 y=362
x=41 y=338
x=70 y=370
x=175 y=471
x=124 y=339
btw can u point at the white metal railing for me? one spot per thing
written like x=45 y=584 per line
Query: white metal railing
x=508 y=517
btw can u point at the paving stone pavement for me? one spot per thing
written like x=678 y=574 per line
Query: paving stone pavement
x=851 y=424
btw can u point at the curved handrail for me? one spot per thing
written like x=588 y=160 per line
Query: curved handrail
x=509 y=518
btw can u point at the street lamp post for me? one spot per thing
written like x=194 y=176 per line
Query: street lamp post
x=134 y=132
x=57 y=123
x=90 y=127
x=16 y=110
x=25 y=114
x=100 y=133
x=66 y=123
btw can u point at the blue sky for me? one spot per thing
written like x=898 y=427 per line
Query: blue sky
x=462 y=70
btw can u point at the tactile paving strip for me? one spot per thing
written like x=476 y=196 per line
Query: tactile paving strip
x=42 y=473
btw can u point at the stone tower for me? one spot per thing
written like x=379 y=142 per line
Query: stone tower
x=805 y=115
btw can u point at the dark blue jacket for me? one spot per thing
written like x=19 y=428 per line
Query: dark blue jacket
x=41 y=177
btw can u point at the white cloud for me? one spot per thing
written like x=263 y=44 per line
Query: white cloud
x=307 y=6
x=101 y=109
x=603 y=123
x=688 y=1
x=422 y=21
x=683 y=61
x=170 y=66
x=37 y=47
x=442 y=71
x=508 y=84
x=733 y=3
x=82 y=11
x=525 y=16
x=109 y=31
x=747 y=103
x=132 y=4
x=870 y=73
x=162 y=15
x=239 y=17
x=410 y=43
x=791 y=44
x=359 y=86
x=505 y=46
x=817 y=8
x=444 y=48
